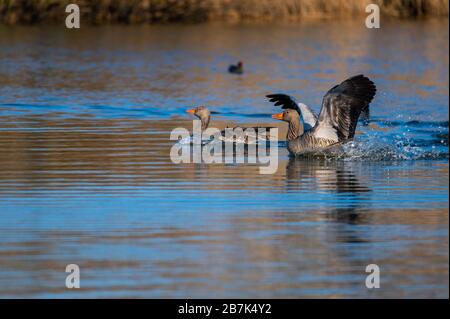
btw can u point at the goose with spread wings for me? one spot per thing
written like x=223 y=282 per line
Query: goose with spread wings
x=336 y=123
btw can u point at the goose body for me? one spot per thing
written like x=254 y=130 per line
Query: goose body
x=336 y=123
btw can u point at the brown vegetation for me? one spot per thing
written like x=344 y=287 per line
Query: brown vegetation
x=163 y=11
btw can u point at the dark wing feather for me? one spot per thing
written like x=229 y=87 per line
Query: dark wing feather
x=286 y=101
x=342 y=106
x=358 y=86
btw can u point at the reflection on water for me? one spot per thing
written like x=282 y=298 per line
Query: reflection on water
x=86 y=177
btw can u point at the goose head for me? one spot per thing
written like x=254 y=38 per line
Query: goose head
x=202 y=113
x=293 y=118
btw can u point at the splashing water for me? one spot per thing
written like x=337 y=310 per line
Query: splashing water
x=413 y=140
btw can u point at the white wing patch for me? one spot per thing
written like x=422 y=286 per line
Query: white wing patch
x=326 y=132
x=309 y=118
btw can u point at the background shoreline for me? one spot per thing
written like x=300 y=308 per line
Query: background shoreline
x=14 y=12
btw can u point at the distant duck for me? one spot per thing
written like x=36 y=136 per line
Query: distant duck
x=236 y=69
x=204 y=114
x=336 y=123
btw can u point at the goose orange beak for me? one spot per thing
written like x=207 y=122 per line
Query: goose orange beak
x=192 y=111
x=278 y=116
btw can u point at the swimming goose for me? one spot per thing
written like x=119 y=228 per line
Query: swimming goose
x=236 y=69
x=204 y=114
x=341 y=108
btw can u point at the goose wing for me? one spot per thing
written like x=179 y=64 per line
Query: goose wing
x=288 y=102
x=341 y=107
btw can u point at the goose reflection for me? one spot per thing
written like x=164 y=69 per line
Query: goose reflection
x=323 y=176
x=340 y=178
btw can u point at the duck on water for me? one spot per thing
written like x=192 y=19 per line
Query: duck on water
x=336 y=123
x=236 y=69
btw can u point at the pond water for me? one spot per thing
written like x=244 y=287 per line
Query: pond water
x=86 y=177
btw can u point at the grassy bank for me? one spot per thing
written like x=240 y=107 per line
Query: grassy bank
x=157 y=11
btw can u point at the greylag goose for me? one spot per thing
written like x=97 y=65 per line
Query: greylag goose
x=236 y=69
x=204 y=114
x=336 y=124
